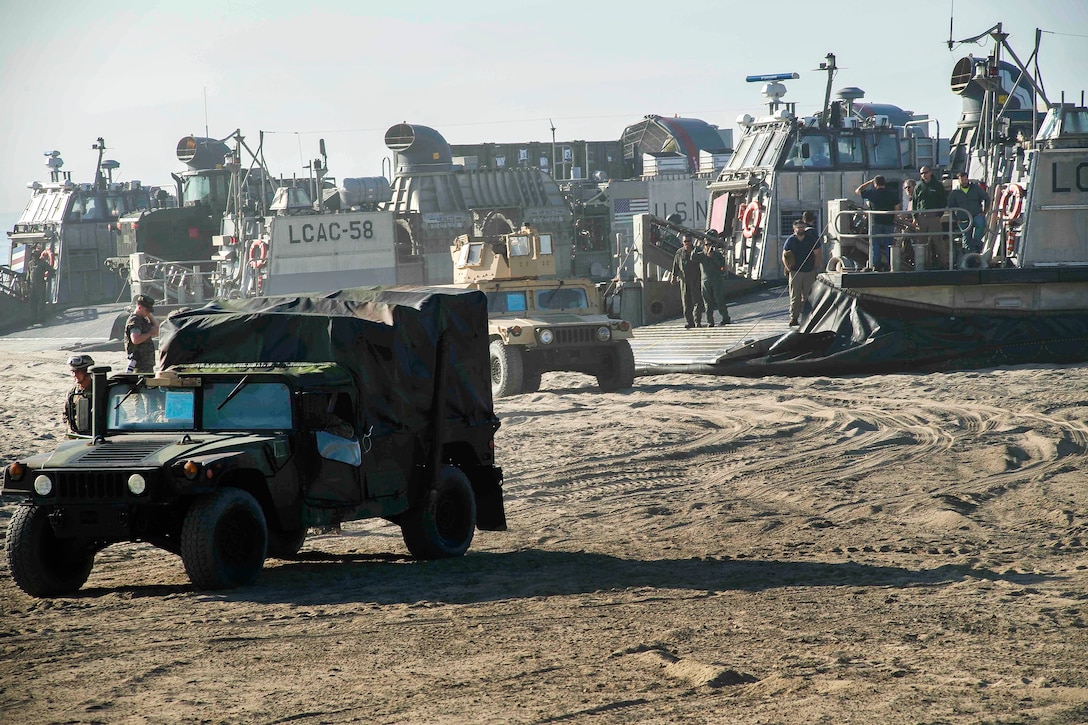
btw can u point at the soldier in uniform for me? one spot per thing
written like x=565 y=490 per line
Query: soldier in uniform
x=140 y=329
x=77 y=406
x=685 y=270
x=712 y=262
x=38 y=275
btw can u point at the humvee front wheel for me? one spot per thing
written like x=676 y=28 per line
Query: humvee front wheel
x=618 y=371
x=41 y=564
x=443 y=526
x=224 y=539
x=507 y=369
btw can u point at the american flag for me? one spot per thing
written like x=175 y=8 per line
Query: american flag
x=630 y=207
x=18 y=258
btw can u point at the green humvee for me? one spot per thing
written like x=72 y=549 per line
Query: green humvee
x=270 y=416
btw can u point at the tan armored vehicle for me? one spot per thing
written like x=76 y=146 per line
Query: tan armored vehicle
x=538 y=323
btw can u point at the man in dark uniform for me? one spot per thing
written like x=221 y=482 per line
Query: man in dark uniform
x=39 y=272
x=77 y=407
x=881 y=197
x=929 y=193
x=685 y=270
x=713 y=269
x=140 y=329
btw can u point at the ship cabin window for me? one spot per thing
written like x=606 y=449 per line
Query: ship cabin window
x=773 y=151
x=737 y=159
x=87 y=208
x=757 y=149
x=506 y=301
x=209 y=189
x=849 y=150
x=545 y=243
x=883 y=150
x=1063 y=121
x=519 y=246
x=115 y=205
x=810 y=151
x=48 y=207
x=1075 y=122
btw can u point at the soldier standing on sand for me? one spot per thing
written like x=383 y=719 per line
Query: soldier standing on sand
x=685 y=270
x=140 y=328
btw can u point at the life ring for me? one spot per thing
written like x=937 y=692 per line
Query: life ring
x=750 y=221
x=49 y=256
x=258 y=253
x=1011 y=202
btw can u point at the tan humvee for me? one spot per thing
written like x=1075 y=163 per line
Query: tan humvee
x=538 y=323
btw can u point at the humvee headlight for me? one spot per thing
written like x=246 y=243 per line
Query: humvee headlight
x=137 y=484
x=191 y=469
x=604 y=334
x=16 y=471
x=546 y=337
x=43 y=485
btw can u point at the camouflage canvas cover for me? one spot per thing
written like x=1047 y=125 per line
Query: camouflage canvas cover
x=386 y=338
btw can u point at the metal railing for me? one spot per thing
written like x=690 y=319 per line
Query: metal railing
x=906 y=226
x=13 y=284
x=182 y=282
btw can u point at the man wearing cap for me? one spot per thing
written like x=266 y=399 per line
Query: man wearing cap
x=972 y=199
x=929 y=193
x=140 y=329
x=77 y=407
x=686 y=271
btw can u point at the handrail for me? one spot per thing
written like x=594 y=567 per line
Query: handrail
x=177 y=280
x=903 y=218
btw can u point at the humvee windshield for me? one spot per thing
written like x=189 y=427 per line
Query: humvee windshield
x=253 y=406
x=563 y=298
x=506 y=301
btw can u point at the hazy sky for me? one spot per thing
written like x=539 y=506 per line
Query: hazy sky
x=142 y=75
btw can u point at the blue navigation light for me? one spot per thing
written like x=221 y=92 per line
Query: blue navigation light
x=772 y=77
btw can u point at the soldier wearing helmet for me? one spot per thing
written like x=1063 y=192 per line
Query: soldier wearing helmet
x=77 y=407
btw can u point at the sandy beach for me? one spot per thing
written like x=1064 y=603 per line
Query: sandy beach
x=892 y=549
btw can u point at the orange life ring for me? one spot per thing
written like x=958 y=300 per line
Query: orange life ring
x=258 y=253
x=750 y=221
x=49 y=256
x=1011 y=202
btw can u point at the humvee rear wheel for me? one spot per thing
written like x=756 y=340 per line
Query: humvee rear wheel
x=618 y=371
x=507 y=370
x=41 y=564
x=443 y=526
x=224 y=539
x=285 y=544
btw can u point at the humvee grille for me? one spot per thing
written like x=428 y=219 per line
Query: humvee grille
x=575 y=335
x=84 y=485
